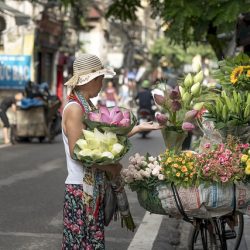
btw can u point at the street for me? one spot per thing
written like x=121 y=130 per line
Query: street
x=32 y=187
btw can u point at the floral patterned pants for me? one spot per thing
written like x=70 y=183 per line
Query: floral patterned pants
x=81 y=230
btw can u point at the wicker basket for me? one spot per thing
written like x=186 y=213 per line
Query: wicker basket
x=148 y=199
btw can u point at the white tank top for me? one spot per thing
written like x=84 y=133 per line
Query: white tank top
x=76 y=171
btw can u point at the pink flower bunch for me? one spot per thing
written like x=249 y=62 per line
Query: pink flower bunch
x=114 y=116
x=221 y=163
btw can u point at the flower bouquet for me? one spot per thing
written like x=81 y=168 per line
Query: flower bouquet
x=230 y=109
x=179 y=108
x=100 y=148
x=143 y=175
x=118 y=120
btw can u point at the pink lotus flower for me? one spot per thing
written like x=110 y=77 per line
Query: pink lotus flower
x=159 y=99
x=94 y=116
x=114 y=111
x=117 y=118
x=104 y=110
x=190 y=115
x=105 y=118
x=124 y=122
x=126 y=115
x=187 y=126
x=174 y=93
x=161 y=118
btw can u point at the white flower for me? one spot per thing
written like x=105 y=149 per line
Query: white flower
x=151 y=159
x=150 y=165
x=156 y=163
x=155 y=171
x=137 y=155
x=138 y=176
x=138 y=161
x=131 y=167
x=149 y=170
x=147 y=174
x=144 y=163
x=161 y=177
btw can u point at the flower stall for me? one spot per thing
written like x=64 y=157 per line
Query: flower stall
x=213 y=181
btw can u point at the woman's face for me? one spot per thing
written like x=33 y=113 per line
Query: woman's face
x=94 y=87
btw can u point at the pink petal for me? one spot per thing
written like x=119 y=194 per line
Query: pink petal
x=124 y=122
x=104 y=110
x=114 y=111
x=126 y=114
x=105 y=118
x=117 y=118
x=94 y=116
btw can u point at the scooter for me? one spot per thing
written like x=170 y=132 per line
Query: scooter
x=144 y=115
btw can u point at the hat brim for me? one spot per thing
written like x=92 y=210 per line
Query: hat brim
x=83 y=79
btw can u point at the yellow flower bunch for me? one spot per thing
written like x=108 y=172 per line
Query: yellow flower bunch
x=238 y=72
x=179 y=167
x=245 y=161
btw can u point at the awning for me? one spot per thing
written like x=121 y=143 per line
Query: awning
x=20 y=18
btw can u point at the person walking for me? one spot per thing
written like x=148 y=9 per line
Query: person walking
x=8 y=102
x=110 y=95
x=83 y=213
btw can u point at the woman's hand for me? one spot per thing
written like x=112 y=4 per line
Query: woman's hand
x=145 y=126
x=113 y=169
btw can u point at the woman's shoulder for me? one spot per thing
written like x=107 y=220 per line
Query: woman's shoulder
x=72 y=108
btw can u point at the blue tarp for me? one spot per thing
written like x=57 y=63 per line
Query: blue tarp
x=27 y=103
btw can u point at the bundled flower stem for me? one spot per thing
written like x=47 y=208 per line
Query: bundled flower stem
x=122 y=202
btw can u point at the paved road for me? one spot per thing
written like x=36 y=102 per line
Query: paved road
x=31 y=196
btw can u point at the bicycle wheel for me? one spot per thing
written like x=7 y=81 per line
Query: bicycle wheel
x=233 y=237
x=205 y=237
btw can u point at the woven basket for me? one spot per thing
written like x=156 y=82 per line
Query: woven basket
x=148 y=199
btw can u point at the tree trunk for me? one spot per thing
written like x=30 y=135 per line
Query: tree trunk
x=215 y=42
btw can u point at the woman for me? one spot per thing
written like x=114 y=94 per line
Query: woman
x=110 y=95
x=83 y=206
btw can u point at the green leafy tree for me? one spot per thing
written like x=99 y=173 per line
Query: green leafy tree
x=175 y=55
x=189 y=21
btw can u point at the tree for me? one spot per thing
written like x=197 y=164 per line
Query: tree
x=175 y=56
x=188 y=21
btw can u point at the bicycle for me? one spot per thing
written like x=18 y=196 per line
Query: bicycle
x=217 y=233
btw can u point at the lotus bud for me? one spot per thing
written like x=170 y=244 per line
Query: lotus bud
x=94 y=116
x=114 y=111
x=104 y=110
x=187 y=98
x=198 y=77
x=124 y=122
x=181 y=90
x=187 y=126
x=117 y=118
x=126 y=115
x=174 y=93
x=105 y=118
x=198 y=106
x=190 y=115
x=195 y=89
x=161 y=118
x=175 y=106
x=159 y=99
x=188 y=81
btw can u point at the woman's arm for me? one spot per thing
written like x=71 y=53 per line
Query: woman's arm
x=73 y=125
x=145 y=126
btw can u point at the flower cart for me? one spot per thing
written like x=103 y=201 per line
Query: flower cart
x=210 y=187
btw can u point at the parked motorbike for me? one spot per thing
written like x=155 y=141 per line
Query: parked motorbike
x=37 y=115
x=144 y=115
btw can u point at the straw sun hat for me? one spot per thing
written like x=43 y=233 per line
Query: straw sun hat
x=86 y=67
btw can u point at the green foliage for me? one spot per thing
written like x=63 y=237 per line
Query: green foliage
x=189 y=20
x=175 y=55
x=233 y=73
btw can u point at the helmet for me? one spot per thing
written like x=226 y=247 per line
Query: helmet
x=145 y=84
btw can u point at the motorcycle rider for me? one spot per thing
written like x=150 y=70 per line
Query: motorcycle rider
x=144 y=97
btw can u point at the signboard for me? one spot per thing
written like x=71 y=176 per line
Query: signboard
x=14 y=71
